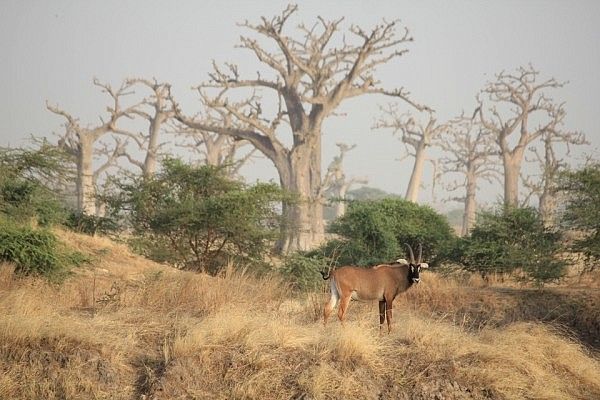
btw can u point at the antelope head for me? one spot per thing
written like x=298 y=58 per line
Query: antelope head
x=414 y=267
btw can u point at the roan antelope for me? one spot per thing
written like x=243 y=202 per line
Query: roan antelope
x=382 y=282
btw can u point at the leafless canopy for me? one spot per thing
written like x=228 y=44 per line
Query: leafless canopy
x=468 y=150
x=215 y=149
x=416 y=136
x=309 y=73
x=524 y=95
x=115 y=111
x=550 y=158
x=335 y=178
x=79 y=141
x=336 y=184
x=518 y=111
x=411 y=131
x=312 y=76
x=470 y=153
x=156 y=110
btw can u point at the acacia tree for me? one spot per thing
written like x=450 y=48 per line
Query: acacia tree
x=469 y=151
x=417 y=137
x=516 y=101
x=581 y=189
x=311 y=74
x=335 y=184
x=79 y=141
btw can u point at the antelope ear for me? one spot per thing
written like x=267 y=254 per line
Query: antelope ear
x=402 y=261
x=424 y=265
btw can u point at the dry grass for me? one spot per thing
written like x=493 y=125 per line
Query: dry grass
x=127 y=328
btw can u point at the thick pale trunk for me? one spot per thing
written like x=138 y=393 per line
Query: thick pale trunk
x=470 y=204
x=511 y=185
x=547 y=201
x=297 y=229
x=316 y=199
x=340 y=206
x=151 y=154
x=297 y=232
x=303 y=228
x=512 y=170
x=547 y=206
x=213 y=156
x=412 y=192
x=86 y=196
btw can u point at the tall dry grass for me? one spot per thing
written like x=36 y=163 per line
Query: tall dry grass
x=127 y=328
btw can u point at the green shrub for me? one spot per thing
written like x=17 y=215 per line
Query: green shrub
x=582 y=210
x=28 y=182
x=302 y=270
x=24 y=201
x=373 y=232
x=199 y=218
x=511 y=240
x=35 y=251
x=90 y=224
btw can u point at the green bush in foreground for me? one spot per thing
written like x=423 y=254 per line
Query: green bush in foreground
x=582 y=210
x=35 y=251
x=370 y=233
x=373 y=232
x=199 y=218
x=29 y=182
x=90 y=224
x=302 y=270
x=513 y=240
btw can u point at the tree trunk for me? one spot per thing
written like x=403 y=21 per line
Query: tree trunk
x=152 y=153
x=547 y=199
x=315 y=198
x=297 y=227
x=303 y=226
x=470 y=204
x=512 y=169
x=547 y=206
x=412 y=192
x=86 y=196
x=340 y=206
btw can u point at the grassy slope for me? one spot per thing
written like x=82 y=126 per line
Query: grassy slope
x=129 y=328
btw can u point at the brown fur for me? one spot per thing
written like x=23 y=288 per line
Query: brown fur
x=382 y=283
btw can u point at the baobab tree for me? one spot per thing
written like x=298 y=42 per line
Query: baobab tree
x=79 y=141
x=544 y=184
x=417 y=138
x=310 y=75
x=335 y=183
x=511 y=105
x=216 y=150
x=156 y=110
x=470 y=151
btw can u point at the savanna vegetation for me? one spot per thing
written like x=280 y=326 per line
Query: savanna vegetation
x=184 y=281
x=85 y=317
x=126 y=327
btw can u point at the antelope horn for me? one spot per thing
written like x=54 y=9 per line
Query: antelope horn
x=420 y=253
x=412 y=255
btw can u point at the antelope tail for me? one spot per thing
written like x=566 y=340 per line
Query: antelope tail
x=325 y=275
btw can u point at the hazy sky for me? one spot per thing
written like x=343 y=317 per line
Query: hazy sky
x=51 y=50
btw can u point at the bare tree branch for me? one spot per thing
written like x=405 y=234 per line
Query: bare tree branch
x=514 y=101
x=335 y=184
x=310 y=73
x=471 y=153
x=417 y=136
x=79 y=141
